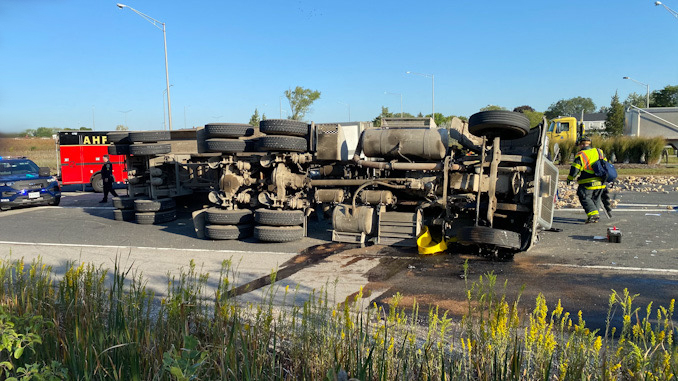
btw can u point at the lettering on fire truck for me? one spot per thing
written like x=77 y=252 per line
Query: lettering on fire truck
x=95 y=139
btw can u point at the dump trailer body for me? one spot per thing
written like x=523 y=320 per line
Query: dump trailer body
x=653 y=122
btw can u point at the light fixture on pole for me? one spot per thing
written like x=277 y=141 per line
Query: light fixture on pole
x=433 y=91
x=349 y=109
x=164 y=36
x=671 y=11
x=401 y=101
x=647 y=88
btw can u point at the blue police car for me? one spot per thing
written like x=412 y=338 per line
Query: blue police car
x=23 y=183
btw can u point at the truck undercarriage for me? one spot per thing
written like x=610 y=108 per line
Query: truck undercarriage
x=380 y=185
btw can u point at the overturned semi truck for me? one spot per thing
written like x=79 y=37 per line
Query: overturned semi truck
x=487 y=184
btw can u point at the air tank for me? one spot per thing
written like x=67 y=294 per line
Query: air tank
x=423 y=143
x=362 y=221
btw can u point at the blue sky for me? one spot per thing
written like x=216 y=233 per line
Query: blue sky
x=73 y=63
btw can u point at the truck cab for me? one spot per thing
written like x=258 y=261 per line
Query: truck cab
x=563 y=129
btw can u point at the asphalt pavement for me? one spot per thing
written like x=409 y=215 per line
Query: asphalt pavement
x=576 y=265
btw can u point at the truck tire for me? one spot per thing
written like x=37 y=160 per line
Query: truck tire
x=55 y=201
x=251 y=145
x=123 y=203
x=278 y=233
x=230 y=130
x=282 y=144
x=150 y=218
x=228 y=231
x=124 y=215
x=218 y=216
x=154 y=205
x=283 y=127
x=225 y=145
x=149 y=149
x=149 y=136
x=486 y=236
x=507 y=125
x=272 y=217
x=118 y=149
x=118 y=137
x=97 y=183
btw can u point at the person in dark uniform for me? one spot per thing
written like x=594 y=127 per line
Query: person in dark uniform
x=107 y=177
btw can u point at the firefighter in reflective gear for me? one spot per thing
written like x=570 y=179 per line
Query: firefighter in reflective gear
x=590 y=187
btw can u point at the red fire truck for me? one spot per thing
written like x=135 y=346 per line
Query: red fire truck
x=81 y=155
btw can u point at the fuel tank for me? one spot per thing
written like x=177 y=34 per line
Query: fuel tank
x=423 y=143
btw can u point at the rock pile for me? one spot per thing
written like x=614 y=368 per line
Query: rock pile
x=567 y=194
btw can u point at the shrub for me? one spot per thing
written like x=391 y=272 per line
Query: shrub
x=620 y=147
x=567 y=150
x=605 y=144
x=652 y=149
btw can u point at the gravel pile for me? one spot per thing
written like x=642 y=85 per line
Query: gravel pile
x=567 y=194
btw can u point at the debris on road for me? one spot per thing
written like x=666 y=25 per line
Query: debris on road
x=567 y=194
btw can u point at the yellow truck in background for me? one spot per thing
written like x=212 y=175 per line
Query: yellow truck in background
x=564 y=129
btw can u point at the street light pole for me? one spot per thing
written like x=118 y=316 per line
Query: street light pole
x=164 y=124
x=401 y=101
x=349 y=109
x=433 y=91
x=281 y=97
x=164 y=36
x=647 y=88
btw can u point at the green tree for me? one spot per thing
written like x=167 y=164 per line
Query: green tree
x=570 y=107
x=45 y=132
x=85 y=129
x=263 y=116
x=255 y=119
x=492 y=108
x=120 y=127
x=635 y=99
x=384 y=114
x=300 y=100
x=523 y=109
x=614 y=124
x=666 y=97
x=535 y=117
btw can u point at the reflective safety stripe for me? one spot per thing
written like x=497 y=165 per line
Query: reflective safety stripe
x=586 y=160
x=602 y=186
x=594 y=213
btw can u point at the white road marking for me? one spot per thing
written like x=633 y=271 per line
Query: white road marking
x=618 y=268
x=140 y=247
x=615 y=210
x=648 y=205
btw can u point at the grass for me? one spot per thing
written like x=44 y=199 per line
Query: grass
x=92 y=325
x=41 y=150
